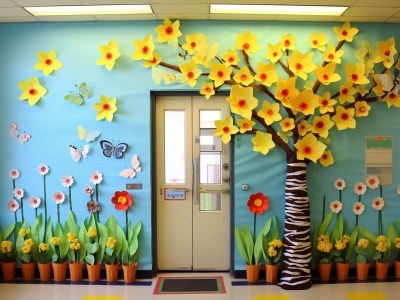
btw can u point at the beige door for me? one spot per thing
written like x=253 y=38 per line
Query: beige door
x=192 y=184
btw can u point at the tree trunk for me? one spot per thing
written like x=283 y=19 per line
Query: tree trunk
x=296 y=274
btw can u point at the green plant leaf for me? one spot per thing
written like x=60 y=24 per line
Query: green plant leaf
x=102 y=231
x=325 y=223
x=338 y=229
x=351 y=245
x=367 y=234
x=89 y=259
x=361 y=258
x=49 y=231
x=83 y=239
x=8 y=231
x=241 y=244
x=249 y=243
x=91 y=248
x=70 y=224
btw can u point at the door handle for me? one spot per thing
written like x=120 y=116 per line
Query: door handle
x=195 y=195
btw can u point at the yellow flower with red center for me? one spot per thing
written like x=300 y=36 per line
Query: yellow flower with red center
x=190 y=73
x=288 y=42
x=344 y=118
x=356 y=74
x=287 y=124
x=274 y=53
x=48 y=62
x=326 y=74
x=245 y=125
x=392 y=99
x=346 y=32
x=262 y=142
x=378 y=88
x=219 y=73
x=362 y=108
x=205 y=54
x=266 y=74
x=331 y=55
x=270 y=112
x=207 y=89
x=193 y=41
x=144 y=49
x=321 y=125
x=303 y=128
x=109 y=55
x=168 y=32
x=326 y=159
x=309 y=148
x=152 y=62
x=386 y=52
x=31 y=90
x=242 y=101
x=225 y=129
x=306 y=102
x=347 y=92
x=244 y=76
x=301 y=64
x=230 y=58
x=318 y=41
x=106 y=108
x=362 y=90
x=285 y=90
x=247 y=42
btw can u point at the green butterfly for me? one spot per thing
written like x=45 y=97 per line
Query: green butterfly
x=81 y=94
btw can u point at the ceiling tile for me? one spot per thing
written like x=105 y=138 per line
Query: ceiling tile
x=47 y=2
x=7 y=3
x=307 y=18
x=14 y=12
x=66 y=18
x=177 y=16
x=363 y=19
x=244 y=17
x=125 y=17
x=370 y=12
x=386 y=3
x=180 y=8
x=114 y=2
x=18 y=19
x=288 y=2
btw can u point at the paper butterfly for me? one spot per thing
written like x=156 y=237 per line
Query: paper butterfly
x=81 y=93
x=131 y=172
x=14 y=133
x=76 y=154
x=390 y=84
x=89 y=136
x=109 y=149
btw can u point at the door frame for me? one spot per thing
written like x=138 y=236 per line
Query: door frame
x=153 y=163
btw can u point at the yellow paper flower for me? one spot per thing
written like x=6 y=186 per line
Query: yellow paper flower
x=318 y=41
x=362 y=90
x=274 y=53
x=386 y=52
x=207 y=89
x=244 y=76
x=303 y=128
x=230 y=58
x=219 y=73
x=245 y=125
x=48 y=62
x=285 y=90
x=225 y=129
x=306 y=102
x=168 y=32
x=106 y=108
x=23 y=232
x=109 y=54
x=301 y=64
x=378 y=88
x=92 y=232
x=392 y=99
x=144 y=49
x=6 y=247
x=71 y=237
x=152 y=62
x=31 y=90
x=326 y=159
x=362 y=109
x=346 y=32
x=247 y=42
x=266 y=74
x=55 y=241
x=287 y=124
x=321 y=125
x=309 y=148
x=344 y=118
x=205 y=54
x=270 y=112
x=326 y=74
x=193 y=41
x=363 y=243
x=331 y=55
x=111 y=242
x=262 y=142
x=326 y=103
x=347 y=92
x=288 y=42
x=242 y=101
x=190 y=73
x=356 y=74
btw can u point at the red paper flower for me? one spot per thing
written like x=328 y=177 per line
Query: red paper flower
x=122 y=200
x=258 y=203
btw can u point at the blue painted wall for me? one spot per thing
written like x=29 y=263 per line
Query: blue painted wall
x=53 y=121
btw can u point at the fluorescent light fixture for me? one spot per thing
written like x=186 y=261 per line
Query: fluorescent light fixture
x=277 y=9
x=89 y=10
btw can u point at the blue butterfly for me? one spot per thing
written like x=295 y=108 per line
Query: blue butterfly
x=109 y=149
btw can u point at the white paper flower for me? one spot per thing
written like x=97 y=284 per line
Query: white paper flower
x=34 y=202
x=13 y=173
x=372 y=182
x=88 y=190
x=43 y=169
x=378 y=203
x=336 y=206
x=67 y=181
x=96 y=177
x=340 y=184
x=360 y=188
x=358 y=208
x=58 y=197
x=18 y=193
x=13 y=205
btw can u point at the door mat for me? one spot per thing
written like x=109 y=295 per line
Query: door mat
x=190 y=285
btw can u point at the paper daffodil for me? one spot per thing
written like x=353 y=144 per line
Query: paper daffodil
x=318 y=41
x=106 y=108
x=285 y=90
x=331 y=55
x=270 y=112
x=344 y=118
x=48 y=62
x=386 y=52
x=31 y=90
x=301 y=64
x=144 y=49
x=274 y=52
x=326 y=74
x=321 y=125
x=356 y=74
x=219 y=73
x=151 y=63
x=303 y=128
x=225 y=129
x=309 y=148
x=347 y=92
x=193 y=41
x=168 y=32
x=207 y=89
x=247 y=42
x=109 y=55
x=204 y=53
x=326 y=159
x=326 y=103
x=243 y=76
x=346 y=32
x=266 y=74
x=287 y=124
x=362 y=109
x=306 y=102
x=242 y=101
x=392 y=99
x=288 y=42
x=190 y=73
x=245 y=125
x=230 y=58
x=262 y=142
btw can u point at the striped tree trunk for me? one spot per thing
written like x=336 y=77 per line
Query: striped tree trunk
x=296 y=274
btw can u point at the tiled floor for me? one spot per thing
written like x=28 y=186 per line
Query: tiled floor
x=340 y=291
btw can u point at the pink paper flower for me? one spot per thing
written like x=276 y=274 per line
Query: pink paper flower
x=96 y=177
x=13 y=174
x=34 y=202
x=360 y=188
x=18 y=193
x=336 y=206
x=88 y=190
x=340 y=184
x=378 y=203
x=43 y=169
x=58 y=197
x=13 y=205
x=372 y=182
x=67 y=181
x=358 y=208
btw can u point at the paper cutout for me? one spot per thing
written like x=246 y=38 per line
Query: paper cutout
x=167 y=77
x=32 y=90
x=89 y=136
x=14 y=133
x=106 y=108
x=389 y=83
x=81 y=93
x=135 y=167
x=109 y=149
x=77 y=154
x=48 y=62
x=109 y=54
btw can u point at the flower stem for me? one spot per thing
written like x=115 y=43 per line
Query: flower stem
x=70 y=199
x=254 y=235
x=45 y=208
x=58 y=213
x=340 y=196
x=15 y=217
x=22 y=210
x=380 y=223
x=127 y=235
x=36 y=213
x=323 y=209
x=97 y=199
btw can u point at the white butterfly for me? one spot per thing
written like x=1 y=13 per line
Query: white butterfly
x=76 y=154
x=14 y=133
x=131 y=172
x=89 y=136
x=389 y=83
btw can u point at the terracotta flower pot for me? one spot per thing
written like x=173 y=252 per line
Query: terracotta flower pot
x=45 y=271
x=28 y=271
x=112 y=272
x=93 y=272
x=76 y=270
x=381 y=269
x=8 y=269
x=362 y=270
x=324 y=271
x=60 y=271
x=130 y=272
x=397 y=269
x=253 y=273
x=271 y=273
x=342 y=271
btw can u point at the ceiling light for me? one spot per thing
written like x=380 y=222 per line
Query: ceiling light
x=277 y=9
x=89 y=10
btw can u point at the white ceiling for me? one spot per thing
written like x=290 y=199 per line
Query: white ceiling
x=384 y=11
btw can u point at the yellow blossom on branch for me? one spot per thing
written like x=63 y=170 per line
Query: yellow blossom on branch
x=362 y=108
x=193 y=41
x=242 y=101
x=301 y=64
x=230 y=58
x=321 y=125
x=109 y=55
x=266 y=74
x=309 y=148
x=244 y=76
x=190 y=73
x=345 y=32
x=285 y=90
x=168 y=32
x=326 y=74
x=303 y=128
x=106 y=108
x=287 y=124
x=288 y=42
x=318 y=41
x=31 y=90
x=225 y=129
x=48 y=62
x=144 y=49
x=219 y=73
x=326 y=159
x=392 y=99
x=245 y=125
x=270 y=112
x=247 y=42
x=151 y=63
x=331 y=55
x=344 y=118
x=326 y=103
x=204 y=54
x=386 y=52
x=207 y=89
x=274 y=53
x=356 y=74
x=262 y=142
x=306 y=102
x=347 y=92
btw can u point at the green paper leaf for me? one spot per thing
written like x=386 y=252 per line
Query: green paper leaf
x=241 y=244
x=89 y=259
x=8 y=231
x=325 y=223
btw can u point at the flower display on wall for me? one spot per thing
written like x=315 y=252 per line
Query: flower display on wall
x=122 y=200
x=106 y=108
x=32 y=90
x=109 y=55
x=225 y=128
x=34 y=202
x=78 y=96
x=372 y=182
x=48 y=62
x=144 y=49
x=358 y=209
x=168 y=32
x=336 y=206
